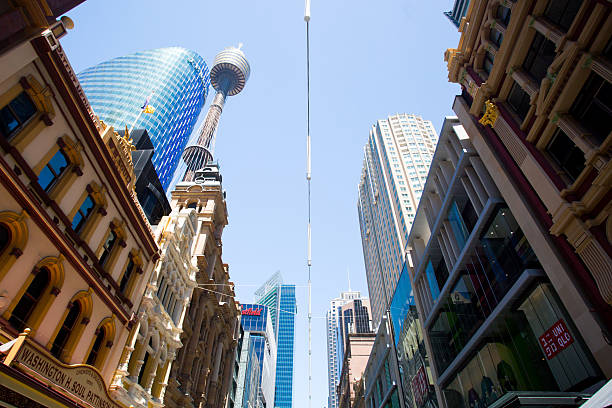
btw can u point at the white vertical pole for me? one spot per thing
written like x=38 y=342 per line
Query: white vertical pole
x=308 y=178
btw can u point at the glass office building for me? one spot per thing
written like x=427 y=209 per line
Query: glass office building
x=175 y=80
x=280 y=299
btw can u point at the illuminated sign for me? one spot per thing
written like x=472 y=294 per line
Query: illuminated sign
x=251 y=312
x=556 y=339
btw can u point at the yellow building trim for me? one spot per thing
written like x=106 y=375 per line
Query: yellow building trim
x=18 y=229
x=108 y=325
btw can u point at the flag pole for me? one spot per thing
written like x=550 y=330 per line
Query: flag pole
x=136 y=120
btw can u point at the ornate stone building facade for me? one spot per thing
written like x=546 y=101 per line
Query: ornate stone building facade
x=203 y=371
x=76 y=250
x=536 y=88
x=142 y=376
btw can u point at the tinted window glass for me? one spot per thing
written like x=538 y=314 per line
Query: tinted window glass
x=593 y=107
x=519 y=101
x=539 y=57
x=566 y=154
x=51 y=172
x=16 y=113
x=562 y=12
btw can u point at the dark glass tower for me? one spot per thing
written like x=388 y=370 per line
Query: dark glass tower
x=280 y=299
x=175 y=79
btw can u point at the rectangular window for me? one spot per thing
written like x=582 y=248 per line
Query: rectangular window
x=539 y=57
x=562 y=12
x=519 y=101
x=566 y=154
x=15 y=114
x=82 y=214
x=53 y=170
x=487 y=63
x=593 y=107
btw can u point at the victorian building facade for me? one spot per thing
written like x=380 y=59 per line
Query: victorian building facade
x=141 y=378
x=536 y=84
x=211 y=327
x=76 y=250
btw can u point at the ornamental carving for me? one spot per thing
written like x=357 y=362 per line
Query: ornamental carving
x=490 y=115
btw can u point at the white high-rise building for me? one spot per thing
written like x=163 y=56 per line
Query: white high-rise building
x=396 y=161
x=334 y=348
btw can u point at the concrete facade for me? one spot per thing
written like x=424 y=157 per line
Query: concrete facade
x=395 y=165
x=358 y=348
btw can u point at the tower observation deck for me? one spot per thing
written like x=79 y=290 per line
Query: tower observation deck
x=228 y=76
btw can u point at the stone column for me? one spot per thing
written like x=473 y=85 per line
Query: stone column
x=190 y=349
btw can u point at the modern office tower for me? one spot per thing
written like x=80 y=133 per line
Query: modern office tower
x=175 y=83
x=458 y=12
x=280 y=299
x=395 y=166
x=545 y=138
x=257 y=370
x=335 y=349
x=497 y=319
x=228 y=75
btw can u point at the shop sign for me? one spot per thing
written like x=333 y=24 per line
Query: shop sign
x=420 y=386
x=556 y=339
x=81 y=382
x=251 y=312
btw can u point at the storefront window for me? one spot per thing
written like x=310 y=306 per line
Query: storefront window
x=494 y=265
x=514 y=356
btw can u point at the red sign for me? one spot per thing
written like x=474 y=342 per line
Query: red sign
x=251 y=312
x=420 y=386
x=556 y=339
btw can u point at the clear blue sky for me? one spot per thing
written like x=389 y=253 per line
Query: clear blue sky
x=369 y=59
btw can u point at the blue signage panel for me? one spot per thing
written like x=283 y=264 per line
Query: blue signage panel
x=254 y=317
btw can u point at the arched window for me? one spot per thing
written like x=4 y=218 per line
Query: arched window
x=193 y=205
x=67 y=328
x=13 y=239
x=30 y=299
x=72 y=325
x=103 y=341
x=5 y=237
x=97 y=347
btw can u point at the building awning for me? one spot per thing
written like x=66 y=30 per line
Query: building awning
x=602 y=398
x=537 y=399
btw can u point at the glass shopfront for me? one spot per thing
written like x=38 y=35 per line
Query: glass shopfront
x=412 y=358
x=531 y=347
x=495 y=263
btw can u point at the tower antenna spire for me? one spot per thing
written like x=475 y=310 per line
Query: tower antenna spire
x=309 y=258
x=228 y=76
x=348 y=275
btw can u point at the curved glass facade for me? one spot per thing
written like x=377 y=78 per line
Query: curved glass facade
x=177 y=80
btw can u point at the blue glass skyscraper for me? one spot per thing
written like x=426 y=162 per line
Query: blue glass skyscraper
x=280 y=299
x=175 y=79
